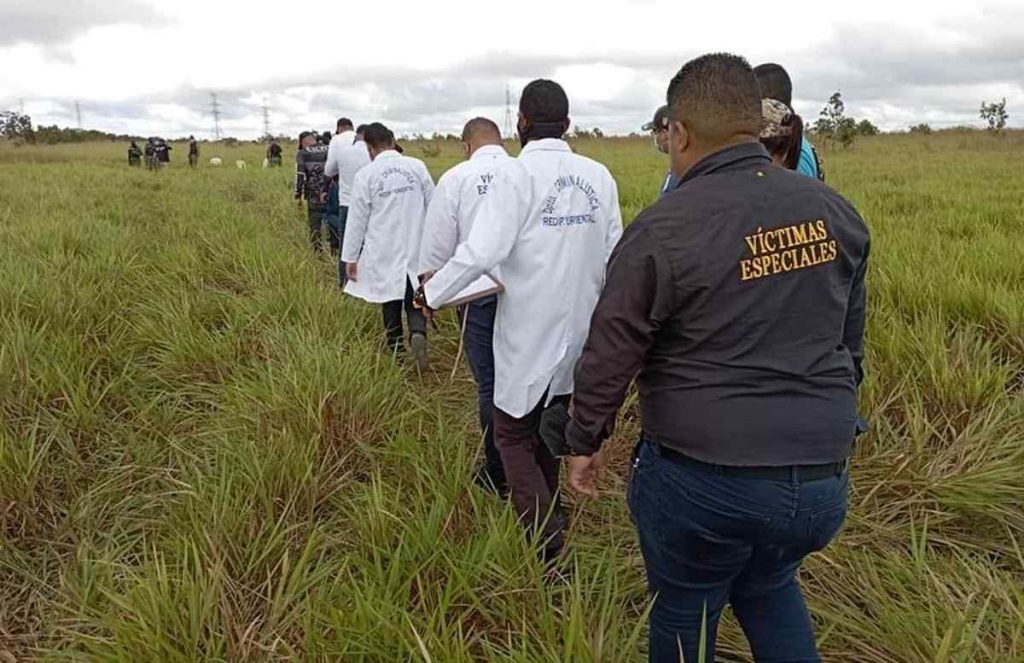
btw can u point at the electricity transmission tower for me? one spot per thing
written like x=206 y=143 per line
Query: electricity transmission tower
x=78 y=115
x=509 y=125
x=215 y=110
x=266 y=118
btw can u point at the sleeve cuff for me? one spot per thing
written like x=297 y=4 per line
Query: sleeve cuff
x=579 y=441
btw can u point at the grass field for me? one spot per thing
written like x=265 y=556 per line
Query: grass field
x=204 y=455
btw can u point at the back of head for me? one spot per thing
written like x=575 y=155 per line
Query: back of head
x=344 y=124
x=782 y=133
x=774 y=82
x=481 y=131
x=543 y=110
x=361 y=130
x=378 y=137
x=717 y=99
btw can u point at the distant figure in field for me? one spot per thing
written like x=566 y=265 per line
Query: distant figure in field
x=345 y=156
x=311 y=184
x=658 y=127
x=193 y=152
x=134 y=155
x=776 y=84
x=162 y=151
x=382 y=241
x=274 y=155
x=150 y=153
x=782 y=133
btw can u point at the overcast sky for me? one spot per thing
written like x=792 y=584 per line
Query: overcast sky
x=143 y=66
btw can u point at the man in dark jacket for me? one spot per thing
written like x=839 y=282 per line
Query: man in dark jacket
x=311 y=184
x=738 y=302
x=193 y=152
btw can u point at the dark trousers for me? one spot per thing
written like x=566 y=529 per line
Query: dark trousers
x=193 y=159
x=393 y=319
x=478 y=322
x=532 y=475
x=708 y=539
x=315 y=218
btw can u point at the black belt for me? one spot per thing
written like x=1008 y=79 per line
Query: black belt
x=780 y=473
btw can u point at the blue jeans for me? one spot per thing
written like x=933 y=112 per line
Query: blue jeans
x=478 y=339
x=708 y=539
x=340 y=220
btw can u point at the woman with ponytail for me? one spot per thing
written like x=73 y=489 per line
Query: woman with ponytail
x=782 y=133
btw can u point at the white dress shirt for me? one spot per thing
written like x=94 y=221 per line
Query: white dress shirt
x=385 y=220
x=345 y=157
x=455 y=204
x=549 y=222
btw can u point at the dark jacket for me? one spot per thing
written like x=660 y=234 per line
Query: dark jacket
x=738 y=302
x=310 y=181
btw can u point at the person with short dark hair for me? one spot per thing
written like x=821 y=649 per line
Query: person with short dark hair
x=162 y=151
x=775 y=83
x=193 y=152
x=150 y=154
x=311 y=185
x=737 y=301
x=658 y=127
x=456 y=203
x=382 y=238
x=549 y=221
x=134 y=155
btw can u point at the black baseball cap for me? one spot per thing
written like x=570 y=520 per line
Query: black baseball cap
x=660 y=120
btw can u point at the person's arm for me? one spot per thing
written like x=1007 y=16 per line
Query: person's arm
x=853 y=329
x=331 y=166
x=494 y=233
x=440 y=228
x=428 y=185
x=300 y=175
x=358 y=219
x=614 y=233
x=637 y=298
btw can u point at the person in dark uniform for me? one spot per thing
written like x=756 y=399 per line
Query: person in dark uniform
x=311 y=184
x=274 y=155
x=658 y=126
x=134 y=155
x=162 y=151
x=193 y=152
x=150 y=153
x=737 y=301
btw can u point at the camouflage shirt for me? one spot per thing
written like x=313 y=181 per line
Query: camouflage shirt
x=310 y=182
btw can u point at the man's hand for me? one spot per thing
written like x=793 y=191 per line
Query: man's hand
x=584 y=472
x=352 y=271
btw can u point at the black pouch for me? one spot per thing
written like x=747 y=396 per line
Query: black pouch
x=553 y=422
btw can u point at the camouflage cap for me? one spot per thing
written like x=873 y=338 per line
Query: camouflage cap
x=773 y=118
x=660 y=120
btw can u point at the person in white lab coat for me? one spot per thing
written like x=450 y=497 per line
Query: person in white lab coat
x=346 y=155
x=549 y=223
x=382 y=238
x=457 y=199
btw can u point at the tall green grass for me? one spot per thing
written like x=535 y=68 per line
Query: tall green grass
x=205 y=455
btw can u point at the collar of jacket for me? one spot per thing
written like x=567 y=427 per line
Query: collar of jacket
x=487 y=150
x=388 y=154
x=737 y=156
x=546 y=145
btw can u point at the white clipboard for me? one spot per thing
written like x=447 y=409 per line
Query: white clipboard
x=485 y=286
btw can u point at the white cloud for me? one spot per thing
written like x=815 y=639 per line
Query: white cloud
x=429 y=66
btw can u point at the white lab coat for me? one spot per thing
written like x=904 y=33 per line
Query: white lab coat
x=345 y=158
x=385 y=220
x=455 y=204
x=549 y=222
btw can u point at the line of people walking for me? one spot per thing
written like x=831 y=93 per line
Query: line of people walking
x=736 y=303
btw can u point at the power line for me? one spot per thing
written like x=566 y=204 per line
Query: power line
x=215 y=110
x=266 y=118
